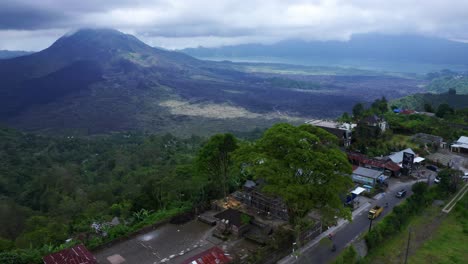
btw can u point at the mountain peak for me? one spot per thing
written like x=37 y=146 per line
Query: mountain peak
x=93 y=41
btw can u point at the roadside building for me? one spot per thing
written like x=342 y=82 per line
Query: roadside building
x=342 y=131
x=460 y=146
x=388 y=167
x=397 y=157
x=78 y=254
x=367 y=177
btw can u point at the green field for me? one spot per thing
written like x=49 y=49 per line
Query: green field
x=448 y=243
x=393 y=251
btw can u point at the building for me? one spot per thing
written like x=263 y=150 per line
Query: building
x=375 y=121
x=387 y=166
x=397 y=157
x=428 y=139
x=232 y=221
x=342 y=131
x=267 y=205
x=75 y=255
x=367 y=176
x=460 y=146
x=214 y=255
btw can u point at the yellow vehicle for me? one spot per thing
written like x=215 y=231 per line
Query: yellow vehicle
x=375 y=212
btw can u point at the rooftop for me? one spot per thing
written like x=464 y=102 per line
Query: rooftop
x=75 y=255
x=330 y=124
x=374 y=174
x=397 y=157
x=214 y=255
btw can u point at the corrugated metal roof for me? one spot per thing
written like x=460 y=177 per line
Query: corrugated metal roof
x=75 y=255
x=463 y=140
x=214 y=255
x=397 y=157
x=367 y=172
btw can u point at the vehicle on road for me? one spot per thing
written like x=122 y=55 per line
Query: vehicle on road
x=465 y=176
x=375 y=212
x=432 y=168
x=401 y=193
x=437 y=179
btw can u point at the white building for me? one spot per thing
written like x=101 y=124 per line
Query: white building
x=461 y=145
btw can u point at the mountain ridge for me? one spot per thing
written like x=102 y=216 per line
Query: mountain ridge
x=8 y=54
x=372 y=47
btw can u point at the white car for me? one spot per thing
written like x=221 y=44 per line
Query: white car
x=465 y=176
x=437 y=179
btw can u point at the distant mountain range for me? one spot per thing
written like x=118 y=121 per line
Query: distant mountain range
x=102 y=80
x=7 y=54
x=367 y=50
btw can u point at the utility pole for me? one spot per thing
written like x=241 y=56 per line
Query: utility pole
x=407 y=245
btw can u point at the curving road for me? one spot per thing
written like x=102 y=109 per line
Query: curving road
x=320 y=253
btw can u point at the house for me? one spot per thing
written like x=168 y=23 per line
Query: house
x=341 y=131
x=460 y=146
x=233 y=221
x=397 y=157
x=75 y=255
x=214 y=255
x=367 y=176
x=407 y=112
x=389 y=167
x=375 y=121
x=428 y=139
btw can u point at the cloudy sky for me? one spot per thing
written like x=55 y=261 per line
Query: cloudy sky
x=35 y=24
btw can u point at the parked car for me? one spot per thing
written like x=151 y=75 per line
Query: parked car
x=437 y=179
x=432 y=168
x=401 y=193
x=465 y=176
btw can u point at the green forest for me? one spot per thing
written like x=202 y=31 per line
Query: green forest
x=53 y=188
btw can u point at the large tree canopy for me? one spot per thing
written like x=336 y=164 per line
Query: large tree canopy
x=214 y=159
x=303 y=165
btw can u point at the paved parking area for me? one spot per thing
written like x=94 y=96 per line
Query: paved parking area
x=178 y=241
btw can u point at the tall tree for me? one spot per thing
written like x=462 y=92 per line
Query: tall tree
x=380 y=106
x=214 y=159
x=304 y=166
x=358 y=110
x=443 y=110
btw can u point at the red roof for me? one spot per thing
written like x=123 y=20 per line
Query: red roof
x=407 y=112
x=75 y=255
x=362 y=159
x=214 y=255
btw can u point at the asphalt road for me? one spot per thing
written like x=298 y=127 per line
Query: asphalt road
x=322 y=253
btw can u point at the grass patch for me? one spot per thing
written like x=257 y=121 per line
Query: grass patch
x=457 y=196
x=394 y=249
x=448 y=243
x=404 y=140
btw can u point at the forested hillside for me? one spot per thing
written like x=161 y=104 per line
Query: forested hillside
x=51 y=188
x=430 y=102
